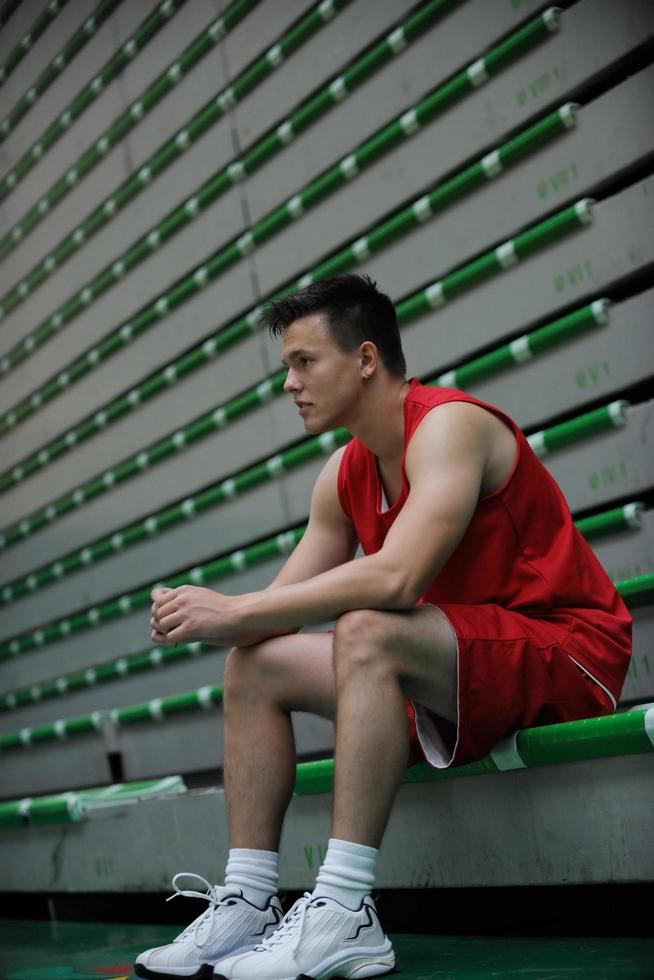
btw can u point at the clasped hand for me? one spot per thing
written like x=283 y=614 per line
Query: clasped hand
x=191 y=613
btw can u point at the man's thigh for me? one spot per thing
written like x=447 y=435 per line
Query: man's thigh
x=295 y=672
x=419 y=645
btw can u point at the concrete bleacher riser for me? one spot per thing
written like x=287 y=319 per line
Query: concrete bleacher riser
x=595 y=365
x=507 y=816
x=476 y=125
x=106 y=642
x=222 y=223
x=165 y=264
x=12 y=33
x=193 y=743
x=223 y=220
x=64 y=25
x=240 y=520
x=133 y=351
x=464 y=33
x=532 y=291
x=176 y=34
x=217 y=225
x=639 y=685
x=177 y=332
x=606 y=155
x=197 y=744
x=212 y=459
x=54 y=765
x=609 y=464
x=628 y=553
x=343 y=38
x=110 y=640
x=192 y=672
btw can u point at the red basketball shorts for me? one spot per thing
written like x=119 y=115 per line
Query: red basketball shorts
x=513 y=672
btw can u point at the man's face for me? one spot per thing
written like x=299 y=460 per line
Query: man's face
x=324 y=382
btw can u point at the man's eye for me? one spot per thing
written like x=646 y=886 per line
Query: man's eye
x=304 y=361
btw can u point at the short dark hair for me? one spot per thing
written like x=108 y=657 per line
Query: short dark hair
x=356 y=311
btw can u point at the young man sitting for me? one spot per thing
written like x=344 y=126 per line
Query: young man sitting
x=476 y=610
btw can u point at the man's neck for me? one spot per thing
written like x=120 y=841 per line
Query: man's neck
x=380 y=422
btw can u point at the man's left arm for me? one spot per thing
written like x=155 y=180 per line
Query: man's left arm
x=445 y=465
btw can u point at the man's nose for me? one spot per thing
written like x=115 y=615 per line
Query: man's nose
x=291 y=383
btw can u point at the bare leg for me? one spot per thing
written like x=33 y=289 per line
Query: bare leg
x=263 y=684
x=380 y=658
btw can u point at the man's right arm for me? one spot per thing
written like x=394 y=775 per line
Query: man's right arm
x=328 y=541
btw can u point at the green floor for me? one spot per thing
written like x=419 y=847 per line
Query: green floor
x=87 y=951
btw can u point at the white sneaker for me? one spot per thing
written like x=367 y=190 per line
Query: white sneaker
x=319 y=938
x=230 y=925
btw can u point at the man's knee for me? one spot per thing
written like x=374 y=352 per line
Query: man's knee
x=245 y=672
x=394 y=643
x=361 y=639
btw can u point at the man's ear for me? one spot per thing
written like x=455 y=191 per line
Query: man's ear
x=369 y=359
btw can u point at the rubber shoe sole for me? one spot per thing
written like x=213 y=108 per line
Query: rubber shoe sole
x=353 y=976
x=204 y=973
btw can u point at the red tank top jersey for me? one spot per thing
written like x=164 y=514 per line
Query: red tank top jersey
x=521 y=550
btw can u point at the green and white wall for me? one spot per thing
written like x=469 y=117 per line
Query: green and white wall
x=167 y=167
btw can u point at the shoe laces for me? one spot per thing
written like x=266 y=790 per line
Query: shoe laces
x=293 y=922
x=214 y=894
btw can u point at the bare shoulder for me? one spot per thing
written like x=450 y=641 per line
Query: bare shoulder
x=325 y=499
x=463 y=433
x=453 y=426
x=333 y=463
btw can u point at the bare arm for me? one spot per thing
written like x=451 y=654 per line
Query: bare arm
x=445 y=467
x=328 y=541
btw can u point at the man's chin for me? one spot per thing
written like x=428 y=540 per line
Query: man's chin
x=316 y=427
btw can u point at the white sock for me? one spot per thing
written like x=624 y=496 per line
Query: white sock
x=255 y=873
x=348 y=872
